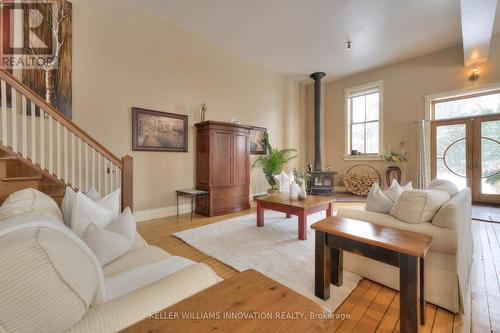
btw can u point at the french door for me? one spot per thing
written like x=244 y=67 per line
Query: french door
x=466 y=151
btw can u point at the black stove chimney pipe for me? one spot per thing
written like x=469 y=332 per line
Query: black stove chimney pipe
x=317 y=119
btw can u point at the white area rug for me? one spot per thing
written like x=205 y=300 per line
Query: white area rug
x=273 y=250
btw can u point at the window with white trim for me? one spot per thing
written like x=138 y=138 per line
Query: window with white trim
x=364 y=115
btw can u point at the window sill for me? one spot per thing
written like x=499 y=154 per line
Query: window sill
x=363 y=158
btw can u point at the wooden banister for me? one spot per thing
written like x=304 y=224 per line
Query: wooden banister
x=46 y=107
x=127 y=182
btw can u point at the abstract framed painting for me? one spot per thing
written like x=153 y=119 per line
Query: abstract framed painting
x=159 y=131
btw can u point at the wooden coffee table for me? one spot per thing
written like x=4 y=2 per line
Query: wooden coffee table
x=245 y=302
x=301 y=208
x=400 y=248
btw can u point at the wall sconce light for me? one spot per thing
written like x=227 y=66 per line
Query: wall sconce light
x=348 y=45
x=474 y=76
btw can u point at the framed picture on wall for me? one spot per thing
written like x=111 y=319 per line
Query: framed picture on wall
x=257 y=143
x=159 y=131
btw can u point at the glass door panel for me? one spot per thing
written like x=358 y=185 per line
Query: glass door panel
x=450 y=152
x=489 y=158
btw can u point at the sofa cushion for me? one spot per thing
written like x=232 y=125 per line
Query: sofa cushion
x=377 y=201
x=121 y=312
x=417 y=206
x=452 y=212
x=30 y=201
x=49 y=276
x=135 y=258
x=443 y=240
x=113 y=241
x=443 y=185
x=141 y=276
x=395 y=190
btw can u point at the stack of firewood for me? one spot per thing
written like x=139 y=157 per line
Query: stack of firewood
x=359 y=184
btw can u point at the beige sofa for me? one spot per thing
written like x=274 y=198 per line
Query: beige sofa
x=52 y=282
x=448 y=261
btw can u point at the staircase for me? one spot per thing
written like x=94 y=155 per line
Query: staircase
x=40 y=148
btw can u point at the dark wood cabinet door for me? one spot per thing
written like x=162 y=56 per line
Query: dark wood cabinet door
x=221 y=158
x=240 y=159
x=203 y=160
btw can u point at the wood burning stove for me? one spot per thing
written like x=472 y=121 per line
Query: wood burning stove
x=321 y=182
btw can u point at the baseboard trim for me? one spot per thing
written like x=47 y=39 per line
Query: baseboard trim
x=157 y=213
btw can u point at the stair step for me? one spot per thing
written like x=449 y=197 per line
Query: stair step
x=8 y=158
x=20 y=179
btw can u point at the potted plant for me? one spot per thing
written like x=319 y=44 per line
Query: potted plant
x=272 y=163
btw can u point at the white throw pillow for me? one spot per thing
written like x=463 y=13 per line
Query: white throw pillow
x=30 y=201
x=113 y=241
x=93 y=194
x=111 y=201
x=67 y=205
x=377 y=201
x=284 y=181
x=69 y=200
x=417 y=206
x=443 y=185
x=395 y=190
x=86 y=212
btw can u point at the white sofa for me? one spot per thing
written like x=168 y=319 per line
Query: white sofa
x=449 y=258
x=51 y=281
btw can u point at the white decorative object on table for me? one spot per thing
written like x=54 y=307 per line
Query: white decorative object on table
x=294 y=191
x=302 y=194
x=284 y=180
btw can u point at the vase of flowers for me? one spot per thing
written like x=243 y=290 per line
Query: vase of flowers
x=393 y=157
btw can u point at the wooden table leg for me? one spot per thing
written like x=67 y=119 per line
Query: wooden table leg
x=422 y=291
x=408 y=302
x=337 y=266
x=260 y=215
x=329 y=210
x=322 y=267
x=302 y=225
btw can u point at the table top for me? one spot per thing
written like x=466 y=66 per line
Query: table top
x=402 y=241
x=192 y=192
x=262 y=300
x=284 y=200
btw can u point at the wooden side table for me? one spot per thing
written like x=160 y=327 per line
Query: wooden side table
x=399 y=248
x=388 y=174
x=192 y=194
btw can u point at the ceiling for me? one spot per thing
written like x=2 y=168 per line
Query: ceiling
x=304 y=36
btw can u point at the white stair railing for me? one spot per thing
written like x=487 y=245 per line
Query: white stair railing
x=38 y=133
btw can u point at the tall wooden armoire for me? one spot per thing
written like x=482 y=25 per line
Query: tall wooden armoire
x=222 y=167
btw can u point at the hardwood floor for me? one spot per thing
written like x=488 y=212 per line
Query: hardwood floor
x=372 y=307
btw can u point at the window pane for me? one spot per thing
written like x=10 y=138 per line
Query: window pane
x=468 y=107
x=372 y=107
x=358 y=109
x=358 y=137
x=446 y=135
x=372 y=138
x=490 y=157
x=442 y=172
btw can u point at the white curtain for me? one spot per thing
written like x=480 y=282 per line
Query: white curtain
x=423 y=155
